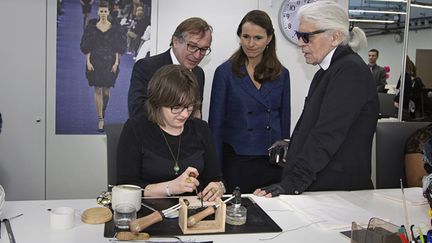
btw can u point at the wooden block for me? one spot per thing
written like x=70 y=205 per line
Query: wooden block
x=204 y=226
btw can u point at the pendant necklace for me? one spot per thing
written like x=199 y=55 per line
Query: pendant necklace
x=176 y=167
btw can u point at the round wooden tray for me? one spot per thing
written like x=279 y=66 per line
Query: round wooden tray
x=97 y=215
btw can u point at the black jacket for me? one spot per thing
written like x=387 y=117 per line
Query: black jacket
x=331 y=144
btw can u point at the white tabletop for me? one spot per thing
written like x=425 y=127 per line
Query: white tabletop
x=34 y=226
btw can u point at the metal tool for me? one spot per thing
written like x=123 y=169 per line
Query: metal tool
x=9 y=231
x=140 y=224
x=192 y=174
x=194 y=219
x=149 y=207
x=9 y=228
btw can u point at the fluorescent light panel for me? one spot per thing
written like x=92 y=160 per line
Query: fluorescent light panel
x=374 y=11
x=420 y=6
x=372 y=21
x=403 y=1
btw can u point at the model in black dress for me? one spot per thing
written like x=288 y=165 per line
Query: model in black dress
x=102 y=42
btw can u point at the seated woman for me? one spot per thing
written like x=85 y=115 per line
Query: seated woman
x=167 y=151
x=414 y=165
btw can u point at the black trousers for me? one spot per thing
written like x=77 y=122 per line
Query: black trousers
x=248 y=172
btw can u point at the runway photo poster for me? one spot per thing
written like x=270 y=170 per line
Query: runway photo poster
x=98 y=43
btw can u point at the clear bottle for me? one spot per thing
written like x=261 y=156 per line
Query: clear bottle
x=236 y=213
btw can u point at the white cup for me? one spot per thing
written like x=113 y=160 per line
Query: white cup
x=62 y=218
x=126 y=194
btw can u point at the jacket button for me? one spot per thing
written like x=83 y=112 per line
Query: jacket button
x=268 y=127
x=268 y=110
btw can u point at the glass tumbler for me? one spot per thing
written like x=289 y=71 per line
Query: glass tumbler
x=124 y=213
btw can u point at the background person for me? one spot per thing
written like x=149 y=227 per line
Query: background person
x=378 y=72
x=159 y=150
x=412 y=92
x=250 y=106
x=414 y=164
x=330 y=147
x=190 y=42
x=102 y=43
x=86 y=6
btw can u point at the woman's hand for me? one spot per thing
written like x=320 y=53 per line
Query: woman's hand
x=114 y=68
x=90 y=66
x=212 y=191
x=185 y=182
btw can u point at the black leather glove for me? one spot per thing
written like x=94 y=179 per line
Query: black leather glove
x=274 y=189
x=278 y=152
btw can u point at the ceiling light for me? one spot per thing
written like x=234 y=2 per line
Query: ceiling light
x=374 y=11
x=416 y=5
x=373 y=21
x=420 y=6
x=393 y=1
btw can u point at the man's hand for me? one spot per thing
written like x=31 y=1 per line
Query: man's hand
x=270 y=191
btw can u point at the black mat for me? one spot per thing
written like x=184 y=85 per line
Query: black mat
x=257 y=220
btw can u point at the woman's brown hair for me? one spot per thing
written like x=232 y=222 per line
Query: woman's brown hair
x=171 y=85
x=270 y=67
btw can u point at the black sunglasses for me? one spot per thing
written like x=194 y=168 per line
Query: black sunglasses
x=305 y=36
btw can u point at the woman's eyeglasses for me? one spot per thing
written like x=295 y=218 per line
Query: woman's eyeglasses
x=179 y=109
x=305 y=36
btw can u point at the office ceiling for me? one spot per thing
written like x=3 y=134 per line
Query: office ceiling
x=391 y=11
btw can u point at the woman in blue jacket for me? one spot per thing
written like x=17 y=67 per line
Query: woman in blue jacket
x=250 y=106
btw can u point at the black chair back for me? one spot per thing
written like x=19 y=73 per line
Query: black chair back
x=387 y=108
x=113 y=132
x=390 y=151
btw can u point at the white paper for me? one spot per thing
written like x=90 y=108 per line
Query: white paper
x=413 y=195
x=332 y=211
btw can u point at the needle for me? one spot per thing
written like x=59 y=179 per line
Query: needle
x=192 y=174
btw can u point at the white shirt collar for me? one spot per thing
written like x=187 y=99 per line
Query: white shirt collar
x=173 y=57
x=325 y=64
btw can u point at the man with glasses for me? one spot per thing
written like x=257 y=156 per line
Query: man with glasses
x=190 y=43
x=331 y=144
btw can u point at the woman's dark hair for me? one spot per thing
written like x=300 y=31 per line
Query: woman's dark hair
x=270 y=67
x=103 y=4
x=171 y=85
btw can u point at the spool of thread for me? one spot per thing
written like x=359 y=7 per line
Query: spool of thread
x=126 y=194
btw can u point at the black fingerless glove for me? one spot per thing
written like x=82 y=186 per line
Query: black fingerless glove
x=278 y=152
x=274 y=189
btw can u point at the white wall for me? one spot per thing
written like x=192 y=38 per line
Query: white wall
x=22 y=98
